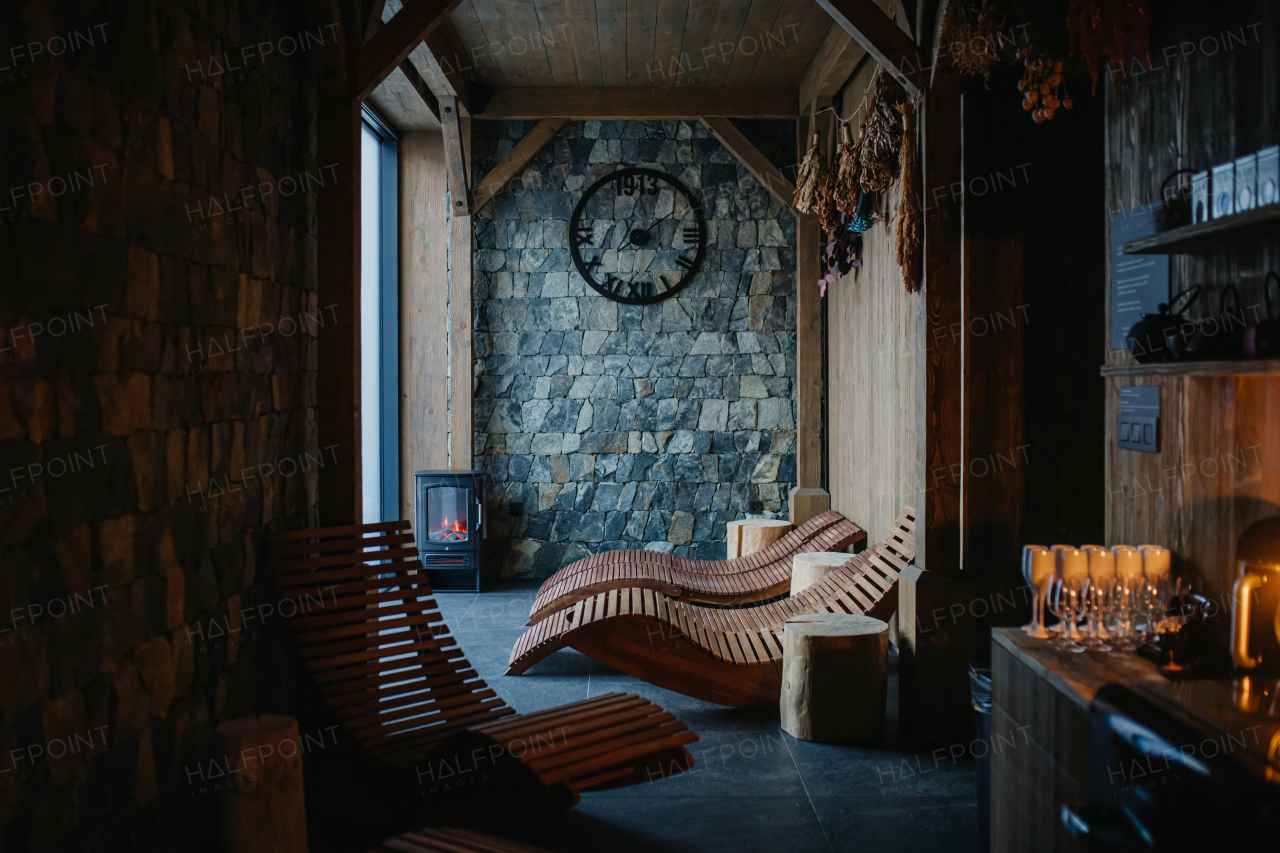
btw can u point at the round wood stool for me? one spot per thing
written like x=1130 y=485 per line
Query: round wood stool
x=808 y=569
x=748 y=535
x=834 y=677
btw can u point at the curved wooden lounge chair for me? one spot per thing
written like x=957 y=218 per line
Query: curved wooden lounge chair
x=742 y=580
x=429 y=737
x=731 y=656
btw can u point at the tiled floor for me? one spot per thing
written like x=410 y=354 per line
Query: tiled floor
x=753 y=788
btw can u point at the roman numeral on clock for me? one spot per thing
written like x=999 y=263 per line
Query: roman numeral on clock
x=684 y=263
x=584 y=236
x=692 y=236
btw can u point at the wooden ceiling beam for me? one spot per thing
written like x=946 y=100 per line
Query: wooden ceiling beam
x=406 y=101
x=396 y=39
x=455 y=159
x=831 y=67
x=882 y=38
x=526 y=149
x=769 y=175
x=633 y=102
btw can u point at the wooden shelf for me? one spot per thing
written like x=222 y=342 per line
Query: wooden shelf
x=1206 y=235
x=1260 y=367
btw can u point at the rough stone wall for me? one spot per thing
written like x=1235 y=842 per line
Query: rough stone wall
x=630 y=426
x=157 y=392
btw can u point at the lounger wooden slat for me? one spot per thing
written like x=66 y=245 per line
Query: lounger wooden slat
x=731 y=656
x=383 y=660
x=743 y=580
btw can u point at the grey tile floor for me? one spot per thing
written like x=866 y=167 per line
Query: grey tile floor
x=753 y=788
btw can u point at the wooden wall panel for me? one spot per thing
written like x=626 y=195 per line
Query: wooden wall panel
x=875 y=381
x=424 y=339
x=1219 y=457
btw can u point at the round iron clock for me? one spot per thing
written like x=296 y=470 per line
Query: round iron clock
x=637 y=236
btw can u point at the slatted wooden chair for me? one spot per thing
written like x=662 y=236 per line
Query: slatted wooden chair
x=731 y=656
x=451 y=841
x=742 y=580
x=428 y=736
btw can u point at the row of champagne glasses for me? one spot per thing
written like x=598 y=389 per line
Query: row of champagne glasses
x=1117 y=595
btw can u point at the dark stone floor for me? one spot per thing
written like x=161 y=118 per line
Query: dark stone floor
x=753 y=788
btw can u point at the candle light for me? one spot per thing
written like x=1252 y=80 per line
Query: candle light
x=1102 y=562
x=1072 y=563
x=1037 y=568
x=1128 y=561
x=1156 y=561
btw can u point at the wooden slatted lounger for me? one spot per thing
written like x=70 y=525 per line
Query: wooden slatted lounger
x=742 y=580
x=731 y=656
x=432 y=741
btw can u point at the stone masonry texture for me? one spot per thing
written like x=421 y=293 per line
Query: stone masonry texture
x=619 y=426
x=157 y=404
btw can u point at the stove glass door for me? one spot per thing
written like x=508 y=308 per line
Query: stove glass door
x=448 y=513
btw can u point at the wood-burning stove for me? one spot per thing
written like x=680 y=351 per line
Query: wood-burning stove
x=451 y=524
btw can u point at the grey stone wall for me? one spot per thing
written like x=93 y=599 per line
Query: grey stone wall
x=622 y=426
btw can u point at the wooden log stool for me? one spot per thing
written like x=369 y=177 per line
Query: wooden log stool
x=264 y=811
x=808 y=569
x=748 y=535
x=835 y=679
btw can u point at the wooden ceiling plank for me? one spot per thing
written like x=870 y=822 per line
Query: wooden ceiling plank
x=515 y=161
x=585 y=40
x=663 y=68
x=471 y=57
x=396 y=39
x=460 y=196
x=747 y=49
x=527 y=37
x=497 y=33
x=881 y=38
x=698 y=41
x=373 y=20
x=642 y=23
x=769 y=175
x=406 y=101
x=730 y=15
x=830 y=71
x=557 y=41
x=632 y=102
x=797 y=33
x=612 y=29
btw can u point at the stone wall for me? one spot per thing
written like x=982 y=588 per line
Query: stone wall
x=157 y=394
x=621 y=426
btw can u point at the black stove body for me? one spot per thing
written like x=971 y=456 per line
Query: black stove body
x=451 y=525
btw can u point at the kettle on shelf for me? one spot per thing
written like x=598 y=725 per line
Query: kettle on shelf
x=1220 y=336
x=1148 y=339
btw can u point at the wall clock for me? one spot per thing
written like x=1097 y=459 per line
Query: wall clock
x=637 y=236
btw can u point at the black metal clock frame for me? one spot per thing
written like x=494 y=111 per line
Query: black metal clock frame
x=691 y=268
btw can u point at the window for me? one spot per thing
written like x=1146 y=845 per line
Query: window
x=379 y=318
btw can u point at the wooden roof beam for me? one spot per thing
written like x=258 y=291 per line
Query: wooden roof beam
x=769 y=175
x=396 y=39
x=455 y=158
x=882 y=38
x=634 y=102
x=831 y=67
x=526 y=149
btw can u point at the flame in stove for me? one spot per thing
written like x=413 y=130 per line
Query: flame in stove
x=455 y=532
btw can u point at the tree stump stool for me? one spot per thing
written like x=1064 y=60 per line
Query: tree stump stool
x=835 y=679
x=808 y=569
x=748 y=535
x=264 y=811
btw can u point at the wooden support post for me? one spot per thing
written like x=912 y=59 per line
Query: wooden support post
x=338 y=283
x=263 y=806
x=519 y=156
x=808 y=498
x=460 y=201
x=944 y=325
x=457 y=152
x=935 y=646
x=424 y=305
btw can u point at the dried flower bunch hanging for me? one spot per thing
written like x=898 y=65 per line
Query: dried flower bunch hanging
x=1044 y=89
x=828 y=214
x=909 y=227
x=1108 y=27
x=840 y=254
x=847 y=169
x=813 y=172
x=882 y=136
x=965 y=42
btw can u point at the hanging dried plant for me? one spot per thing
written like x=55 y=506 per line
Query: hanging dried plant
x=846 y=170
x=909 y=229
x=828 y=214
x=840 y=255
x=813 y=171
x=883 y=135
x=1107 y=27
x=965 y=42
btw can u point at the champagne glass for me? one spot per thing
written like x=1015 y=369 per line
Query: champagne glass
x=1122 y=606
x=1097 y=605
x=1037 y=569
x=1102 y=570
x=1057 y=629
x=1065 y=598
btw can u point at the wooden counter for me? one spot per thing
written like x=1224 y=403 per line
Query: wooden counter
x=1040 y=734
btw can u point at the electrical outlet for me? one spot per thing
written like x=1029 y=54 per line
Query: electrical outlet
x=755 y=506
x=515 y=508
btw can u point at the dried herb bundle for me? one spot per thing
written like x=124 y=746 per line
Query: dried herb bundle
x=882 y=136
x=1106 y=27
x=909 y=228
x=828 y=214
x=847 y=169
x=813 y=172
x=965 y=42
